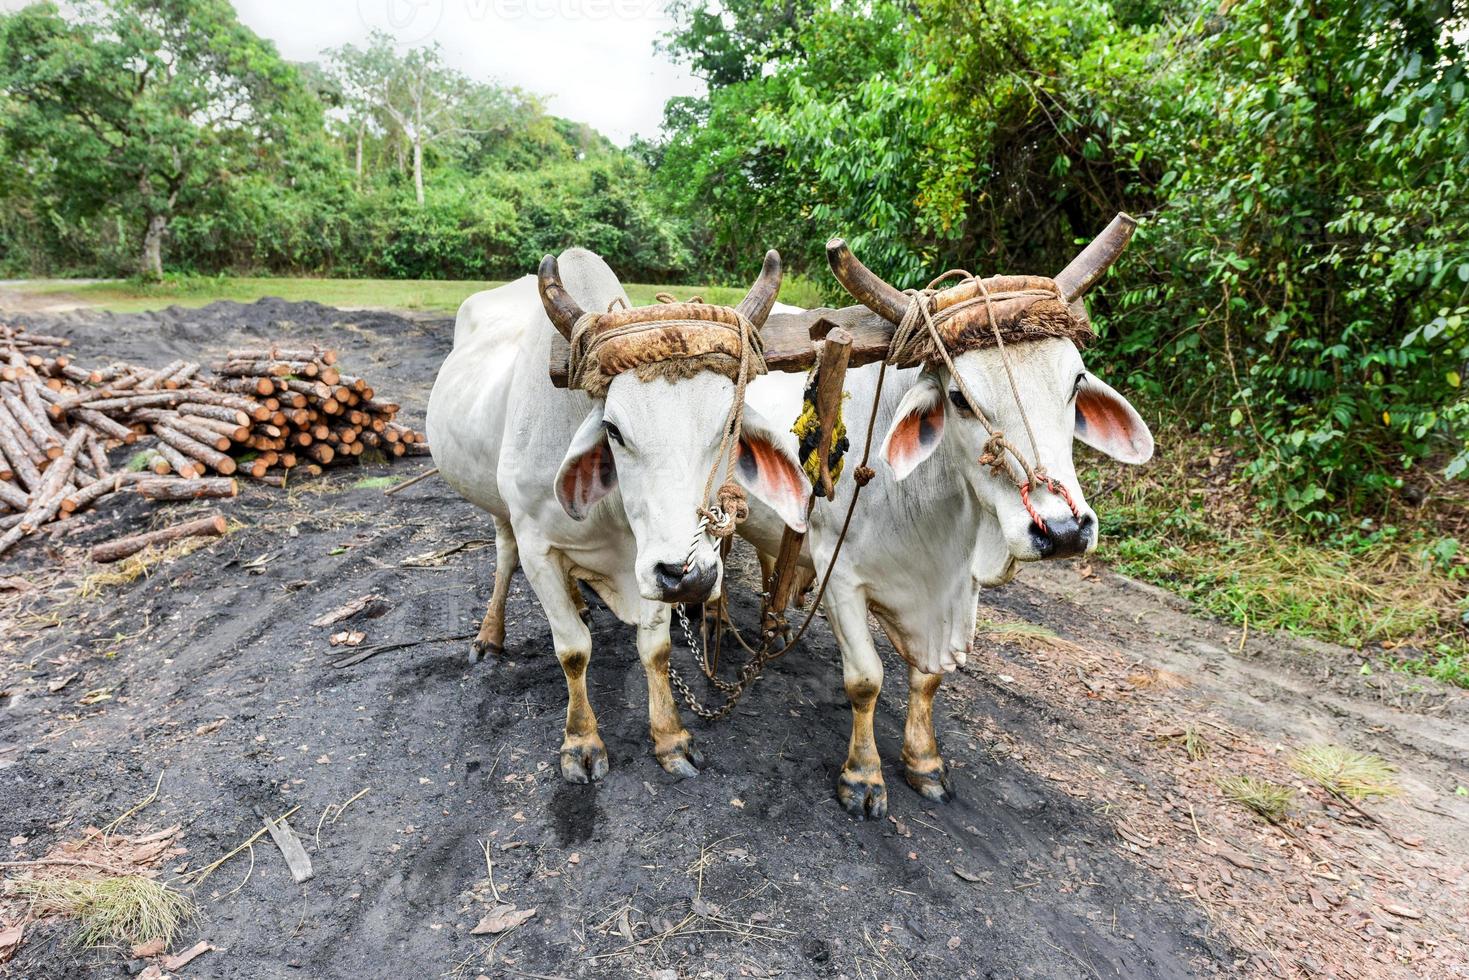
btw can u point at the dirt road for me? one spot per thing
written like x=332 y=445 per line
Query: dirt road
x=1086 y=841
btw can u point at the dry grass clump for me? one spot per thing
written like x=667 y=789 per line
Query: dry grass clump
x=116 y=910
x=1269 y=800
x=1354 y=775
x=137 y=566
x=1030 y=637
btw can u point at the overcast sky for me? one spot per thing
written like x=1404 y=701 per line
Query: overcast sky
x=592 y=60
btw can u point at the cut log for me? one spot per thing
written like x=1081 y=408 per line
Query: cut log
x=194 y=449
x=155 y=379
x=257 y=369
x=177 y=461
x=128 y=403
x=18 y=453
x=213 y=526
x=106 y=426
x=220 y=413
x=40 y=435
x=47 y=500
x=13 y=497
x=312 y=353
x=100 y=488
x=164 y=488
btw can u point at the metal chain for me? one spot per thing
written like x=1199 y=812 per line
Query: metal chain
x=767 y=650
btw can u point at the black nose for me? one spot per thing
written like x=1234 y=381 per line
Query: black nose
x=1062 y=537
x=680 y=585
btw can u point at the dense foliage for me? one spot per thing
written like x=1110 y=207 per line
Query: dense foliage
x=1300 y=279
x=1300 y=285
x=141 y=133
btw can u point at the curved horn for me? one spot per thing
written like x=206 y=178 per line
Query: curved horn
x=560 y=307
x=881 y=298
x=1077 y=279
x=756 y=305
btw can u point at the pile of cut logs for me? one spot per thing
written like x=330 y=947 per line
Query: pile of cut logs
x=266 y=413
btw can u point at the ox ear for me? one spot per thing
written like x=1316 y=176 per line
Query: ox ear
x=769 y=470
x=587 y=473
x=1106 y=422
x=917 y=427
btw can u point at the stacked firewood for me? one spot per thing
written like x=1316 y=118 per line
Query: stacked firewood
x=267 y=413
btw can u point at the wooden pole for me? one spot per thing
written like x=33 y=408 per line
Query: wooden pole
x=831 y=375
x=213 y=526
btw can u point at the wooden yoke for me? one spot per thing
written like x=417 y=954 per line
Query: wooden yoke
x=834 y=355
x=788 y=339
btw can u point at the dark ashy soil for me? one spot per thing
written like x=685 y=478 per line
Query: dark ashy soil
x=751 y=869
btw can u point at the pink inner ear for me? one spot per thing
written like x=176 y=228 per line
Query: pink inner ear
x=771 y=470
x=1105 y=420
x=582 y=484
x=914 y=432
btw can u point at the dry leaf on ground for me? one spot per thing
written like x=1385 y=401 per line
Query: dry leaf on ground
x=500 y=919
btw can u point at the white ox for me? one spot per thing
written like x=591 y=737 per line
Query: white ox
x=934 y=526
x=603 y=491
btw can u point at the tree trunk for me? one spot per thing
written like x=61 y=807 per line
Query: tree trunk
x=151 y=266
x=418 y=168
x=360 y=126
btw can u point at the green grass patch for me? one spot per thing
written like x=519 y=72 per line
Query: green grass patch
x=1401 y=592
x=376 y=482
x=429 y=296
x=1354 y=775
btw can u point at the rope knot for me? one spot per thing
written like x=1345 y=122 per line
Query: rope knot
x=863 y=475
x=732 y=501
x=730 y=510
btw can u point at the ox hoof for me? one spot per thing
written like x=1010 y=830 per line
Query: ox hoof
x=681 y=758
x=931 y=783
x=479 y=648
x=583 y=761
x=865 y=798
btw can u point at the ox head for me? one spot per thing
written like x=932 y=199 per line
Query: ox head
x=1062 y=401
x=656 y=436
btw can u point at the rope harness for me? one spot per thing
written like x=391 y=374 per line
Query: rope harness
x=667 y=344
x=918 y=338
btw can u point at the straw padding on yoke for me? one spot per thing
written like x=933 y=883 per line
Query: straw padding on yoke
x=667 y=340
x=1021 y=307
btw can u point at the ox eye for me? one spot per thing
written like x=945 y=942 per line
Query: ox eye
x=960 y=402
x=1076 y=385
x=613 y=432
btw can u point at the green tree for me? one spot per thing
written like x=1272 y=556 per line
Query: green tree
x=422 y=99
x=144 y=106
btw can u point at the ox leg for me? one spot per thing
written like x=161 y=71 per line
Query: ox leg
x=491 y=638
x=860 y=787
x=672 y=744
x=923 y=766
x=583 y=756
